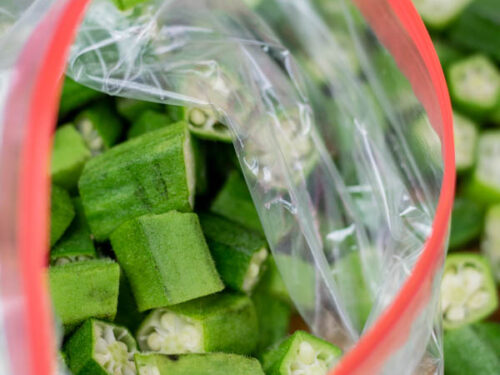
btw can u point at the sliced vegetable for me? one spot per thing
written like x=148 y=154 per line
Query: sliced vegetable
x=204 y=123
x=468 y=291
x=218 y=323
x=149 y=120
x=62 y=213
x=166 y=259
x=75 y=96
x=150 y=174
x=465 y=134
x=438 y=14
x=466 y=222
x=490 y=245
x=132 y=109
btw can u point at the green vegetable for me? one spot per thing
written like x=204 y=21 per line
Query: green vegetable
x=238 y=252
x=150 y=174
x=166 y=259
x=149 y=120
x=197 y=364
x=301 y=353
x=466 y=222
x=75 y=96
x=101 y=348
x=466 y=136
x=218 y=323
x=205 y=124
x=69 y=155
x=62 y=213
x=468 y=292
x=132 y=109
x=272 y=282
x=84 y=290
x=439 y=14
x=490 y=244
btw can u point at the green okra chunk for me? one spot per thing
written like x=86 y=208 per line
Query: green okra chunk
x=166 y=259
x=490 y=243
x=69 y=155
x=148 y=121
x=466 y=222
x=75 y=96
x=62 y=213
x=468 y=291
x=84 y=290
x=99 y=126
x=235 y=203
x=197 y=364
x=238 y=253
x=132 y=109
x=224 y=322
x=76 y=244
x=101 y=348
x=465 y=136
x=150 y=174
x=301 y=354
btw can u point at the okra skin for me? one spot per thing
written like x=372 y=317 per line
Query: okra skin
x=166 y=259
x=148 y=121
x=150 y=174
x=197 y=364
x=238 y=252
x=62 y=213
x=75 y=95
x=85 y=289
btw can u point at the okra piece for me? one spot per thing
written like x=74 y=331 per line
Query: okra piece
x=99 y=126
x=301 y=354
x=197 y=364
x=150 y=174
x=69 y=155
x=224 y=322
x=466 y=135
x=466 y=222
x=239 y=253
x=75 y=96
x=468 y=291
x=148 y=121
x=76 y=244
x=166 y=259
x=490 y=244
x=484 y=184
x=101 y=348
x=235 y=203
x=62 y=213
x=84 y=290
x=204 y=123
x=472 y=349
x=475 y=85
x=439 y=14
x=132 y=109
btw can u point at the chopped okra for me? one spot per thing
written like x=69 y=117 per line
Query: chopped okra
x=62 y=213
x=465 y=136
x=166 y=259
x=301 y=354
x=490 y=244
x=468 y=291
x=75 y=96
x=126 y=182
x=238 y=252
x=101 y=348
x=132 y=109
x=204 y=123
x=224 y=322
x=148 y=121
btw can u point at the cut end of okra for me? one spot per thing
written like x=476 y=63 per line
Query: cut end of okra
x=468 y=291
x=224 y=322
x=62 y=213
x=150 y=174
x=465 y=135
x=490 y=245
x=197 y=364
x=475 y=84
x=102 y=348
x=301 y=354
x=438 y=14
x=204 y=123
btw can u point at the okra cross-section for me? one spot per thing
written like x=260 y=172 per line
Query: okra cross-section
x=84 y=290
x=301 y=354
x=223 y=322
x=62 y=213
x=150 y=174
x=468 y=291
x=197 y=364
x=101 y=348
x=238 y=252
x=166 y=259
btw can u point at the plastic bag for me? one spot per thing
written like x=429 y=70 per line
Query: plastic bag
x=348 y=183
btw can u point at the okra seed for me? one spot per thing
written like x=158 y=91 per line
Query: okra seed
x=456 y=313
x=155 y=341
x=101 y=345
x=473 y=279
x=149 y=370
x=197 y=117
x=168 y=321
x=478 y=300
x=306 y=353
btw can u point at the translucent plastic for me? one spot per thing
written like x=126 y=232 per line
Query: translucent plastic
x=341 y=160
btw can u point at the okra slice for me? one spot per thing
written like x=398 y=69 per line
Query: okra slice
x=204 y=123
x=466 y=135
x=148 y=121
x=101 y=348
x=166 y=259
x=438 y=14
x=83 y=290
x=301 y=354
x=132 y=109
x=69 y=155
x=76 y=244
x=490 y=244
x=468 y=291
x=475 y=84
x=239 y=253
x=197 y=364
x=99 y=126
x=224 y=322
x=75 y=96
x=62 y=213
x=484 y=186
x=150 y=174
x=466 y=222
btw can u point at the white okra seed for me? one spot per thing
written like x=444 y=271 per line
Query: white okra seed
x=306 y=353
x=155 y=341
